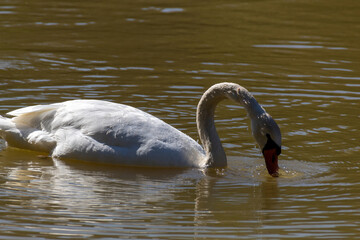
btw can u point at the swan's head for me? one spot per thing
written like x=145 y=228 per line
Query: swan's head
x=264 y=129
x=267 y=134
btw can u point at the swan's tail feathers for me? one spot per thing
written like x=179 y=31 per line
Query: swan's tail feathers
x=33 y=109
x=5 y=124
x=23 y=137
x=8 y=129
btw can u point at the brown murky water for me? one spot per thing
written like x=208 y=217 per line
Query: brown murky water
x=299 y=58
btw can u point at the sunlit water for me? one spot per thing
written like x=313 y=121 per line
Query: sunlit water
x=300 y=59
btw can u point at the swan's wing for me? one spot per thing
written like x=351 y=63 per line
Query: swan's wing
x=38 y=117
x=103 y=131
x=32 y=109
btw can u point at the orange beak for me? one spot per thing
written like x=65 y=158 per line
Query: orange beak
x=271 y=160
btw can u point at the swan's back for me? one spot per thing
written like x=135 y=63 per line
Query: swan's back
x=101 y=131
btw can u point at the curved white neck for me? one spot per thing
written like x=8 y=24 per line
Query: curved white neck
x=209 y=137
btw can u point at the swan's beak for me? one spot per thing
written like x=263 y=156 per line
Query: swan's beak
x=271 y=160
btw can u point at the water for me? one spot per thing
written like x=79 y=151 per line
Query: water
x=300 y=59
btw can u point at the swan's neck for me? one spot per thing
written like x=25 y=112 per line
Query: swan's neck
x=209 y=137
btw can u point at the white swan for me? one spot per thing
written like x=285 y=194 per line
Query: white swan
x=109 y=132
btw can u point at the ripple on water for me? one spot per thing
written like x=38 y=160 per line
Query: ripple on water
x=163 y=10
x=294 y=172
x=6 y=10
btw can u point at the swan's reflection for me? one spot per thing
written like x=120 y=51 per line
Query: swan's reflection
x=222 y=197
x=84 y=194
x=88 y=185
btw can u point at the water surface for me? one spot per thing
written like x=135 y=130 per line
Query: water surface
x=300 y=59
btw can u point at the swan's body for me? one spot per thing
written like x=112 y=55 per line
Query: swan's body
x=102 y=131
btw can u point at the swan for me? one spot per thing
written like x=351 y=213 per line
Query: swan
x=102 y=131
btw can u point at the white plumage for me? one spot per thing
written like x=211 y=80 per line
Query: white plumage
x=96 y=130
x=101 y=131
